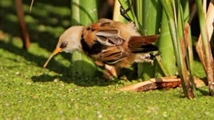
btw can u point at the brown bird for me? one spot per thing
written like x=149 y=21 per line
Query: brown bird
x=112 y=44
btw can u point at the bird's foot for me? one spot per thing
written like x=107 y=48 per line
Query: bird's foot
x=110 y=72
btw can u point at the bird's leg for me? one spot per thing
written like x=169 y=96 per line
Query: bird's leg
x=124 y=11
x=110 y=72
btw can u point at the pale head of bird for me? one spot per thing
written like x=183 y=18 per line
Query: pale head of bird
x=68 y=41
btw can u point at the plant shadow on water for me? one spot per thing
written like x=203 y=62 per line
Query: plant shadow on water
x=62 y=72
x=69 y=76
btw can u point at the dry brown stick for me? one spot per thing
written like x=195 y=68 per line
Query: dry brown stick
x=22 y=24
x=159 y=83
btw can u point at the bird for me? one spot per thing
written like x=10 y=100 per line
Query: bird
x=112 y=44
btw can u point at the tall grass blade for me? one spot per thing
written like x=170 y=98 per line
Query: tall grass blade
x=166 y=48
x=83 y=12
x=149 y=19
x=203 y=46
x=174 y=14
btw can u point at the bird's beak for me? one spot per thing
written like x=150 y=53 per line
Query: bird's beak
x=57 y=50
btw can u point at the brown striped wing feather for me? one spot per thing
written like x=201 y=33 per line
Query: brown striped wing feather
x=112 y=55
x=143 y=44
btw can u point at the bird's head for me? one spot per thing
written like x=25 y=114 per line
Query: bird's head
x=68 y=41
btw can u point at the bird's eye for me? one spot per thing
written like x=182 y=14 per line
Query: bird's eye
x=64 y=44
x=88 y=28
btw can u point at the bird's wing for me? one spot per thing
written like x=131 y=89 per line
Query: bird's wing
x=109 y=37
x=112 y=55
x=108 y=34
x=102 y=42
x=104 y=33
